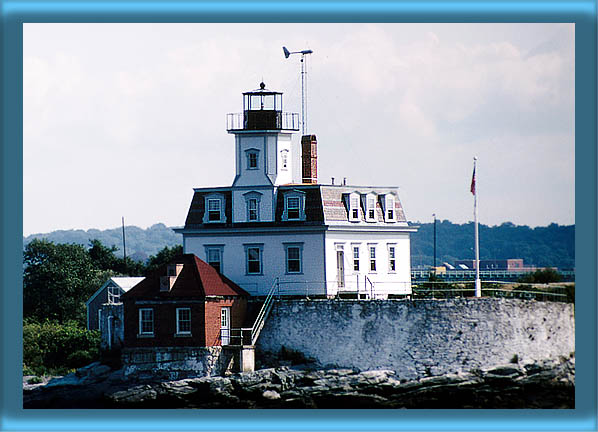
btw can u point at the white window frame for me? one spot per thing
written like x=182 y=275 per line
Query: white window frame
x=179 y=311
x=392 y=257
x=215 y=247
x=373 y=267
x=99 y=319
x=260 y=248
x=356 y=258
x=389 y=206
x=113 y=294
x=221 y=206
x=299 y=247
x=370 y=208
x=353 y=206
x=300 y=196
x=141 y=320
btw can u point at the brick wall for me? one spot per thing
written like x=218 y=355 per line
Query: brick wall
x=205 y=322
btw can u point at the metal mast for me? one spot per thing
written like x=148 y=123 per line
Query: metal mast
x=478 y=284
x=287 y=53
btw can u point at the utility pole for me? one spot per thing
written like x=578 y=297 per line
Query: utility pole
x=124 y=245
x=434 y=241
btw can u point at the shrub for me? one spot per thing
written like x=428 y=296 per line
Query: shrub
x=53 y=348
x=546 y=275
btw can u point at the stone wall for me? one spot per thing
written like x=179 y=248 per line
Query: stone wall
x=179 y=362
x=423 y=337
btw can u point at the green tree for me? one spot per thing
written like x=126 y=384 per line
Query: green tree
x=164 y=256
x=103 y=258
x=53 y=348
x=57 y=281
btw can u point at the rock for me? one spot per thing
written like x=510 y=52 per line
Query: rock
x=271 y=395
x=547 y=384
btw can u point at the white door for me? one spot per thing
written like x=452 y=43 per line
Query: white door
x=340 y=266
x=225 y=325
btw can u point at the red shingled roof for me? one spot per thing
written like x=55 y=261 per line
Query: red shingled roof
x=196 y=279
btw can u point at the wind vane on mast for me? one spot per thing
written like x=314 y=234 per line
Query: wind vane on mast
x=287 y=53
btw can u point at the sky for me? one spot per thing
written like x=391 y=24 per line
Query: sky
x=126 y=119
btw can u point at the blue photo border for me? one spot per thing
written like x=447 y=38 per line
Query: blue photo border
x=15 y=13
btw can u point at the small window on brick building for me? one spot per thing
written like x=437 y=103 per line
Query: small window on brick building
x=183 y=320
x=146 y=321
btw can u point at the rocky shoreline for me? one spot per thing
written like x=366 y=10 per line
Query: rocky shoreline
x=545 y=384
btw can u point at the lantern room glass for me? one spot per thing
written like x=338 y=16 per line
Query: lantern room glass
x=262 y=101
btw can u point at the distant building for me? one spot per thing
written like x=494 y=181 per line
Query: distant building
x=513 y=264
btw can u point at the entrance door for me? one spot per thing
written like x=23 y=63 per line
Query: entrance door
x=340 y=266
x=225 y=325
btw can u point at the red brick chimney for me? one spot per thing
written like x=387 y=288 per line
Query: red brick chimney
x=309 y=159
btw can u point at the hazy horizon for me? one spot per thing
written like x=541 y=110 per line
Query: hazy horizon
x=126 y=119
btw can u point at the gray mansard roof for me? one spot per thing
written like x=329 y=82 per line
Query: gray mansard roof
x=324 y=205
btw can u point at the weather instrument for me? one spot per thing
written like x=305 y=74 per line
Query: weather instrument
x=287 y=53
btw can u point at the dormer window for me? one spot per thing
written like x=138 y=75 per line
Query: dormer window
x=294 y=206
x=213 y=210
x=252 y=204
x=370 y=208
x=354 y=207
x=214 y=205
x=389 y=208
x=252 y=158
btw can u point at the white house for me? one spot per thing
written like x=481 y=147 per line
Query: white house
x=303 y=238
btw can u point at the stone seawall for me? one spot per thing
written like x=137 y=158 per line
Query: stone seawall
x=422 y=337
x=178 y=362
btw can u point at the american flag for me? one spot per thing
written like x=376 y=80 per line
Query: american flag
x=473 y=182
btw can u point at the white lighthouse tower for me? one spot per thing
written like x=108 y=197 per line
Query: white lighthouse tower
x=263 y=152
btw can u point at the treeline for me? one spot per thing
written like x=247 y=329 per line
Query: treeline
x=550 y=246
x=57 y=281
x=141 y=243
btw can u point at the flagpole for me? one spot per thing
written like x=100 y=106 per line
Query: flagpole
x=478 y=283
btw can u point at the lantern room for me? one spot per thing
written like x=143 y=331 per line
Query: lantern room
x=262 y=110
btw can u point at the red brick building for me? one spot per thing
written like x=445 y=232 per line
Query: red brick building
x=186 y=303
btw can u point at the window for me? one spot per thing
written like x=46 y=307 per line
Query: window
x=253 y=255
x=389 y=208
x=355 y=258
x=213 y=210
x=146 y=321
x=252 y=204
x=284 y=159
x=214 y=256
x=371 y=206
x=183 y=321
x=354 y=207
x=99 y=319
x=293 y=208
x=252 y=209
x=252 y=158
x=214 y=205
x=373 y=258
x=293 y=254
x=113 y=295
x=391 y=259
